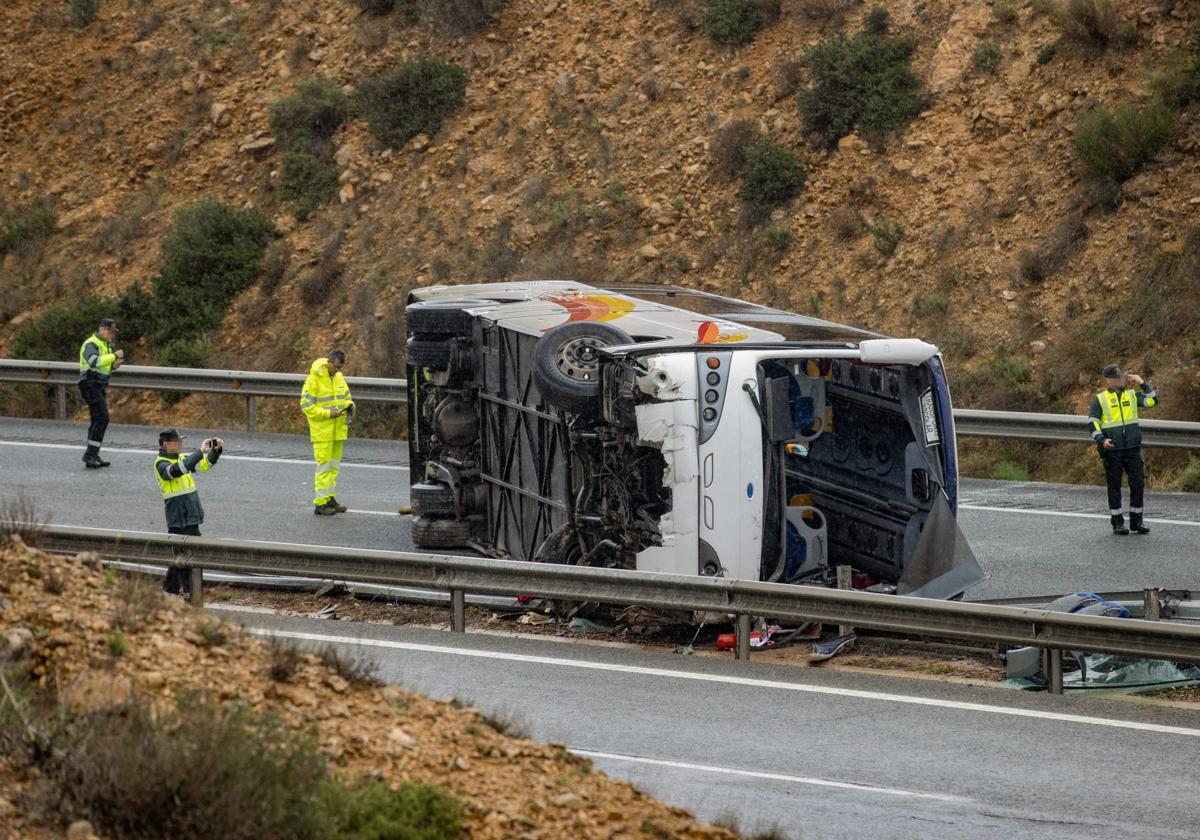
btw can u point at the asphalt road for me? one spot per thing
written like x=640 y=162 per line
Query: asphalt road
x=818 y=754
x=1033 y=539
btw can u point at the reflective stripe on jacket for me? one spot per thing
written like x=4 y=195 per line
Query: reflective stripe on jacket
x=177 y=482
x=96 y=357
x=320 y=395
x=1114 y=415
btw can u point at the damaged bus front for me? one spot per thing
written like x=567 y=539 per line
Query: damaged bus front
x=669 y=430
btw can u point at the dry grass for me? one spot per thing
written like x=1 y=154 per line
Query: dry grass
x=19 y=517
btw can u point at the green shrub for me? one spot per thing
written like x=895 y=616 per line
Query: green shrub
x=84 y=12
x=778 y=238
x=25 y=227
x=1116 y=145
x=1092 y=23
x=212 y=253
x=864 y=81
x=1179 y=84
x=987 y=57
x=372 y=811
x=306 y=181
x=59 y=331
x=772 y=176
x=376 y=7
x=1010 y=471
x=412 y=99
x=729 y=142
x=1188 y=477
x=1047 y=53
x=305 y=121
x=1007 y=369
x=877 y=21
x=1004 y=11
x=932 y=304
x=184 y=353
x=135 y=313
x=887 y=235
x=732 y=22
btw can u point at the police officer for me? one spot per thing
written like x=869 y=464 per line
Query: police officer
x=325 y=401
x=97 y=361
x=175 y=473
x=1114 y=427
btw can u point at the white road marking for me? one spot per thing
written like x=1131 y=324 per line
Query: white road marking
x=777 y=777
x=1038 y=714
x=1071 y=514
x=261 y=459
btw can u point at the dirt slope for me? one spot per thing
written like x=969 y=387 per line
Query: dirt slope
x=62 y=612
x=582 y=150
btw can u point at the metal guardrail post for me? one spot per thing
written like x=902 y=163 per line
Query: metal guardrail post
x=742 y=645
x=251 y=407
x=1151 y=604
x=1054 y=673
x=458 y=611
x=196 y=598
x=845 y=580
x=60 y=402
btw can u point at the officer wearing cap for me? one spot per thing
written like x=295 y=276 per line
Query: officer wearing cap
x=176 y=473
x=1113 y=423
x=97 y=361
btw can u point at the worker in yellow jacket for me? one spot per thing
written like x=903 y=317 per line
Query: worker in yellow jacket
x=326 y=403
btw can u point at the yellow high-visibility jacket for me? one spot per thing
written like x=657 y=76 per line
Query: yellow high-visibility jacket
x=321 y=394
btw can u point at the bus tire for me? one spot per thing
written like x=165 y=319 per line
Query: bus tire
x=435 y=532
x=432 y=500
x=566 y=365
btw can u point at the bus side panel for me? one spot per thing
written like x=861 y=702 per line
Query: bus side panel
x=525 y=466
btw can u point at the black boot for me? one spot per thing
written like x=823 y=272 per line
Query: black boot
x=1118 y=523
x=1136 y=525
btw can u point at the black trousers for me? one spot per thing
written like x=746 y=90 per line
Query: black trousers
x=179 y=578
x=93 y=393
x=1128 y=462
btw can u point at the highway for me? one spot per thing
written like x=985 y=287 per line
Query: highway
x=1032 y=539
x=816 y=753
x=819 y=754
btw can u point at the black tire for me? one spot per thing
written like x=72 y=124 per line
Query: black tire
x=433 y=354
x=432 y=500
x=566 y=369
x=441 y=318
x=430 y=532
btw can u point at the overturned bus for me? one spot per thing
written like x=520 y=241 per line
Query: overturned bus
x=665 y=429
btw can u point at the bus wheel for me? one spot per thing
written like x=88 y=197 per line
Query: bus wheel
x=566 y=364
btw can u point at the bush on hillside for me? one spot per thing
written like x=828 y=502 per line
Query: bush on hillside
x=1179 y=85
x=987 y=57
x=412 y=99
x=24 y=227
x=860 y=82
x=376 y=7
x=772 y=176
x=1116 y=145
x=306 y=181
x=729 y=142
x=735 y=22
x=212 y=253
x=877 y=21
x=887 y=235
x=305 y=121
x=372 y=811
x=84 y=12
x=461 y=16
x=59 y=331
x=1094 y=24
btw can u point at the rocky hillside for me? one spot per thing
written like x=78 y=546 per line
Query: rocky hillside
x=92 y=662
x=599 y=139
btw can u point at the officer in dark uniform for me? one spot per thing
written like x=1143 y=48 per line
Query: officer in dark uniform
x=175 y=473
x=1113 y=423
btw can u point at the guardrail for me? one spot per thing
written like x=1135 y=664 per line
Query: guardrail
x=248 y=383
x=968 y=422
x=1067 y=427
x=459 y=575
